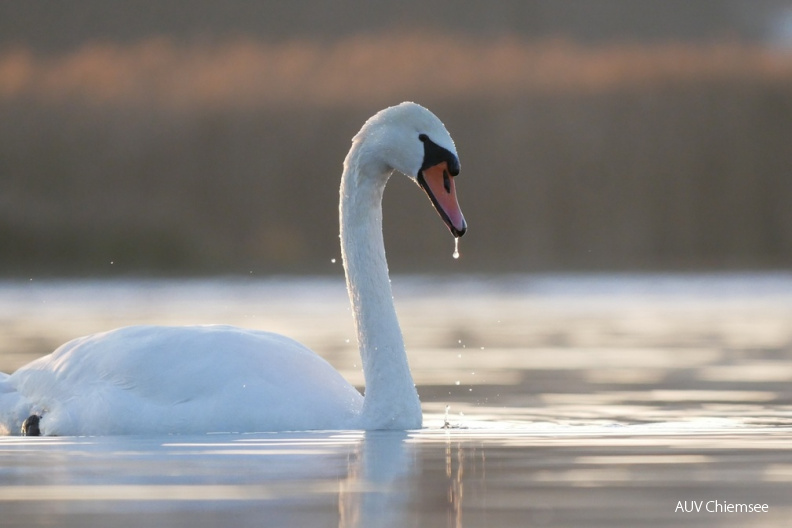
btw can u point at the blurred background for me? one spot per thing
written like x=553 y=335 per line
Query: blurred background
x=198 y=137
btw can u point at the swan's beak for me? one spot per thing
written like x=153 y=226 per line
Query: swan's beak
x=439 y=185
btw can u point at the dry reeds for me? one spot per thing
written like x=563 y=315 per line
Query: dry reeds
x=164 y=156
x=367 y=70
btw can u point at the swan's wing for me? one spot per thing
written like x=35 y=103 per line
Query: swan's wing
x=149 y=379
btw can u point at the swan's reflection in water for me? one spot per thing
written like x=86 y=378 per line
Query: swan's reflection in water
x=352 y=480
x=386 y=485
x=377 y=491
x=455 y=472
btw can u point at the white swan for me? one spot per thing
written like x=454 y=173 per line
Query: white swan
x=157 y=380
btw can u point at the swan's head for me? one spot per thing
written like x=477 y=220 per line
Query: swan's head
x=412 y=140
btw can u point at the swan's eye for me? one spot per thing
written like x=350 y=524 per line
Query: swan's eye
x=423 y=137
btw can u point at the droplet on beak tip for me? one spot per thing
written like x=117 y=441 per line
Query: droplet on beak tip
x=455 y=254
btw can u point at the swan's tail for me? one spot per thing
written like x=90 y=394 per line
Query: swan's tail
x=14 y=408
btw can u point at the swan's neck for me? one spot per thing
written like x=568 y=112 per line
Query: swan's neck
x=391 y=401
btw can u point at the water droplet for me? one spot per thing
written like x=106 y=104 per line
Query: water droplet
x=332 y=261
x=456 y=382
x=455 y=254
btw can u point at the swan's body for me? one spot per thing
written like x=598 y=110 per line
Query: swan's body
x=153 y=379
x=156 y=380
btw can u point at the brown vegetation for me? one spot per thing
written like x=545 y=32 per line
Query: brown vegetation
x=366 y=69
x=164 y=156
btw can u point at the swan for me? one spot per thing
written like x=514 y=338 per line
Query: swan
x=218 y=378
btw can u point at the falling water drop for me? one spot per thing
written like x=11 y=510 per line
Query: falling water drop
x=455 y=254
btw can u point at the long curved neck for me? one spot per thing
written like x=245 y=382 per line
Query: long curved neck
x=391 y=401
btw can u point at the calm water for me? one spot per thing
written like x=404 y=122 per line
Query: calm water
x=549 y=401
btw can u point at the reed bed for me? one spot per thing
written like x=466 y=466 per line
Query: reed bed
x=166 y=156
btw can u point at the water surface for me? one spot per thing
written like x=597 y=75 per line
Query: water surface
x=549 y=401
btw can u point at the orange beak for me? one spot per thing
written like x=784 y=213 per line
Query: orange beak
x=439 y=185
